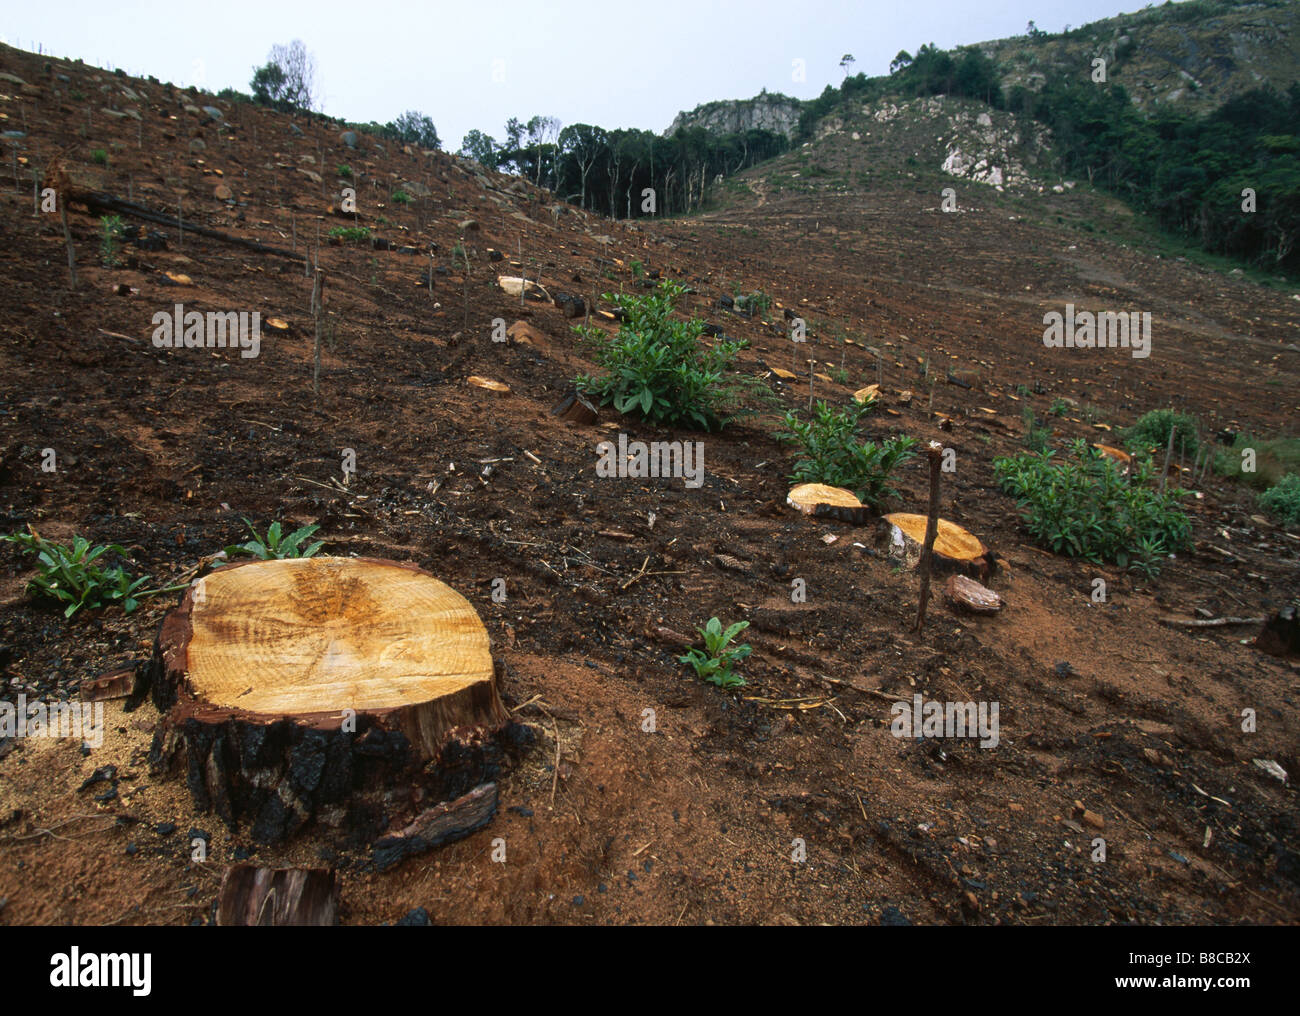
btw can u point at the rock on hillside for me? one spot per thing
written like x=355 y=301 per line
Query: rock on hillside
x=961 y=138
x=769 y=111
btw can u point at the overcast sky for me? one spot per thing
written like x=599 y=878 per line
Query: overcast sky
x=616 y=64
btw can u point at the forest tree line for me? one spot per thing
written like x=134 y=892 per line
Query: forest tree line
x=609 y=171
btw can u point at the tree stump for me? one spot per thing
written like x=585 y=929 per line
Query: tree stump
x=351 y=691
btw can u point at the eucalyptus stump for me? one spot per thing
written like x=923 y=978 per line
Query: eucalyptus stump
x=353 y=692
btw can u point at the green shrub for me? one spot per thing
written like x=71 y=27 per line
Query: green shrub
x=716 y=663
x=1152 y=431
x=1059 y=407
x=832 y=451
x=1086 y=508
x=344 y=170
x=1282 y=501
x=351 y=234
x=656 y=366
x=100 y=157
x=756 y=303
x=400 y=197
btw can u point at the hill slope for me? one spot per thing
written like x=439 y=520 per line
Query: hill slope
x=165 y=449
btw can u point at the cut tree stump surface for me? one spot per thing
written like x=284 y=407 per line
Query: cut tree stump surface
x=356 y=687
x=311 y=635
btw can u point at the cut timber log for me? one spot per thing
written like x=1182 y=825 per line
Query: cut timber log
x=821 y=501
x=351 y=691
x=278 y=897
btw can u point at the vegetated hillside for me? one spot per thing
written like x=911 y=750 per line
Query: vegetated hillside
x=1112 y=724
x=867 y=146
x=1194 y=56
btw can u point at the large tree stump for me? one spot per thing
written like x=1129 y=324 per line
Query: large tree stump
x=351 y=691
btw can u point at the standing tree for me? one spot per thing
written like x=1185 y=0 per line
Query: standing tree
x=846 y=63
x=542 y=132
x=288 y=79
x=480 y=147
x=585 y=144
x=415 y=128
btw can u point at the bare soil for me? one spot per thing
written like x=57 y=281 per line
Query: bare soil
x=164 y=451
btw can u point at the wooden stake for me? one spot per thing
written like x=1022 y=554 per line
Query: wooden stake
x=935 y=453
x=317 y=301
x=67 y=238
x=1169 y=452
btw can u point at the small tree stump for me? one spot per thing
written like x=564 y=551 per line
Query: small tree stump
x=822 y=501
x=353 y=691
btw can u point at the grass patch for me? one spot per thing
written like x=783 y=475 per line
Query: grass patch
x=1274 y=459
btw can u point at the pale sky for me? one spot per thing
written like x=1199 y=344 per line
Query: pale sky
x=612 y=63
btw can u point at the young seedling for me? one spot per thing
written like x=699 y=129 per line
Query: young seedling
x=276 y=546
x=716 y=663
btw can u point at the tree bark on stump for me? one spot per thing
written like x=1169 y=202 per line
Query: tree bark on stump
x=278 y=897
x=354 y=692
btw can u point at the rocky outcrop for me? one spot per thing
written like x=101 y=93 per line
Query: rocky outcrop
x=768 y=111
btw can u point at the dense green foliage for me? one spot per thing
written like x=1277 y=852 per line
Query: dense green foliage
x=1087 y=508
x=1282 y=501
x=1189 y=173
x=414 y=128
x=351 y=234
x=1192 y=174
x=932 y=71
x=831 y=451
x=656 y=366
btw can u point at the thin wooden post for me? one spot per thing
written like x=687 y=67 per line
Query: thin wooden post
x=1169 y=452
x=317 y=306
x=935 y=453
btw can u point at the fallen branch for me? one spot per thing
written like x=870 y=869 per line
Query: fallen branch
x=108 y=202
x=1212 y=622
